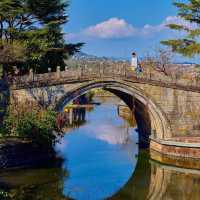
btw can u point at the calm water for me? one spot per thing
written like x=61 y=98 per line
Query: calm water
x=101 y=161
x=100 y=155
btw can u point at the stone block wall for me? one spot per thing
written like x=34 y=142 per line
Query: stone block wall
x=179 y=108
x=182 y=108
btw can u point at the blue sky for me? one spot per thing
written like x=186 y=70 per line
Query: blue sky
x=117 y=27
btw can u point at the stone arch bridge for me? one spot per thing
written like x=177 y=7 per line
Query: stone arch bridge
x=167 y=111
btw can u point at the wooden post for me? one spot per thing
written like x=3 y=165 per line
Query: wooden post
x=71 y=116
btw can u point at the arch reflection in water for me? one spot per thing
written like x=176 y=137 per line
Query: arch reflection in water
x=155 y=181
x=100 y=154
x=150 y=181
x=101 y=162
x=168 y=182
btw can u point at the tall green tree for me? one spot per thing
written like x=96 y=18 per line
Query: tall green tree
x=52 y=14
x=11 y=51
x=190 y=44
x=54 y=17
x=31 y=34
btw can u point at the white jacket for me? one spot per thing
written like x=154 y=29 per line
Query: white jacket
x=134 y=62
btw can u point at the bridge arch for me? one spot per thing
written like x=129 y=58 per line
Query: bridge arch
x=131 y=95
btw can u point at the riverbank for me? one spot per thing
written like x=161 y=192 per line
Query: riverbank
x=16 y=153
x=176 y=161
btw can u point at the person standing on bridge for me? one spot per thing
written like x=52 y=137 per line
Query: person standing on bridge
x=135 y=64
x=134 y=61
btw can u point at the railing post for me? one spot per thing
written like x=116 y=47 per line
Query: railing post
x=58 y=72
x=103 y=66
x=31 y=75
x=100 y=69
x=113 y=69
x=82 y=70
x=79 y=71
x=86 y=70
x=124 y=69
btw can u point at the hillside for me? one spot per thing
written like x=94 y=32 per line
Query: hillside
x=85 y=56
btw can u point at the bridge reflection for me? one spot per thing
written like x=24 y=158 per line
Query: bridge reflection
x=155 y=181
x=151 y=180
x=74 y=114
x=71 y=118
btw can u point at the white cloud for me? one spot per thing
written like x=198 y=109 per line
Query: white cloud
x=173 y=20
x=179 y=21
x=153 y=29
x=115 y=28
x=111 y=134
x=112 y=28
x=150 y=29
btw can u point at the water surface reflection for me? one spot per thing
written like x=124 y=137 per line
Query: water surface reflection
x=150 y=180
x=101 y=154
x=101 y=161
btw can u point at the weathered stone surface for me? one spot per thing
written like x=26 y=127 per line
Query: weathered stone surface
x=178 y=150
x=187 y=163
x=168 y=111
x=180 y=108
x=57 y=96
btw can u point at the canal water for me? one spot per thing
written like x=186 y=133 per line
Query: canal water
x=102 y=161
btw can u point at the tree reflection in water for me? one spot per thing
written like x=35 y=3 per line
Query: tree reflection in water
x=35 y=184
x=151 y=180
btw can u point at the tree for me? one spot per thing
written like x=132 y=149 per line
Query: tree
x=188 y=45
x=160 y=61
x=10 y=50
x=53 y=17
x=35 y=27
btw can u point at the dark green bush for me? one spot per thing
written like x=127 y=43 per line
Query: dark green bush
x=37 y=125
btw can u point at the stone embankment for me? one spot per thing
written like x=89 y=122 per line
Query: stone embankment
x=15 y=153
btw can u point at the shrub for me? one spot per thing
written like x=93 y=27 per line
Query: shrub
x=34 y=124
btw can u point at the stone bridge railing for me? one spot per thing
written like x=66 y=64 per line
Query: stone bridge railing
x=83 y=71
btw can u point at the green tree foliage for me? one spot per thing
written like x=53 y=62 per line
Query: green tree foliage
x=189 y=45
x=35 y=124
x=31 y=34
x=9 y=26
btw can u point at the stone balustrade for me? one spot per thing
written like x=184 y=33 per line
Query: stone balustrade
x=92 y=70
